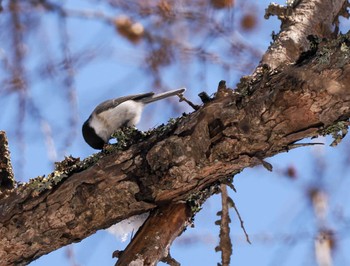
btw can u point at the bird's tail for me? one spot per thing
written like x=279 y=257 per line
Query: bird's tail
x=163 y=95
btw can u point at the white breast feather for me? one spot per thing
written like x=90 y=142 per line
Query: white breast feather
x=108 y=122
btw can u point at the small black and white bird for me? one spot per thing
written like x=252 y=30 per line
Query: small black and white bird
x=111 y=115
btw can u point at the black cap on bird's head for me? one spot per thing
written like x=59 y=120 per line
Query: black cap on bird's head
x=91 y=138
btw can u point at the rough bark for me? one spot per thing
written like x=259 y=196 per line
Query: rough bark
x=314 y=17
x=236 y=130
x=6 y=174
x=222 y=138
x=152 y=243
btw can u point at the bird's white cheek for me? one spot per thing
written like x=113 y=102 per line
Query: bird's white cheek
x=100 y=128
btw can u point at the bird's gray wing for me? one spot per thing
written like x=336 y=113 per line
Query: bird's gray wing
x=106 y=105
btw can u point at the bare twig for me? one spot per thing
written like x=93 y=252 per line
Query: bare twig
x=298 y=145
x=182 y=98
x=225 y=245
x=241 y=221
x=170 y=261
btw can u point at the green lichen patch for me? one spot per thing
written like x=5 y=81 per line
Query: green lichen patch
x=70 y=164
x=62 y=171
x=334 y=52
x=42 y=183
x=128 y=136
x=67 y=164
x=338 y=131
x=327 y=52
x=196 y=200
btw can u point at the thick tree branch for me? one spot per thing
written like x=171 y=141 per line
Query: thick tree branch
x=153 y=240
x=309 y=17
x=223 y=137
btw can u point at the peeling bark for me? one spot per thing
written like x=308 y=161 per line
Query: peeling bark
x=314 y=17
x=281 y=105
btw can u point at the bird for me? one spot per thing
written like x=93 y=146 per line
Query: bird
x=117 y=113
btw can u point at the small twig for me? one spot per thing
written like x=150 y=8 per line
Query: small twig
x=267 y=165
x=204 y=97
x=117 y=253
x=223 y=90
x=297 y=145
x=241 y=221
x=170 y=260
x=182 y=98
x=225 y=245
x=228 y=181
x=264 y=163
x=231 y=186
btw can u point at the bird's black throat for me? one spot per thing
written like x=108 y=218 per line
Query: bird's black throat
x=91 y=137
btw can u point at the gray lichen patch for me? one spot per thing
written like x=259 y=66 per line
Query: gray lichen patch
x=338 y=131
